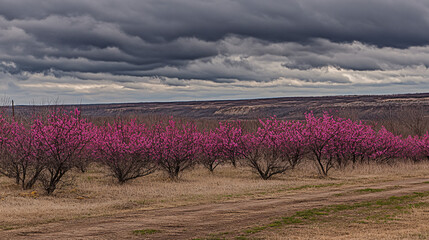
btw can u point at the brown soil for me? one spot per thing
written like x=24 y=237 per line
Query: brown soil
x=189 y=222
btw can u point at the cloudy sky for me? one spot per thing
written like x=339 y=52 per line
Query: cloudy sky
x=100 y=51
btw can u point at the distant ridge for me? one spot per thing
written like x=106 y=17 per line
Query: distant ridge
x=366 y=106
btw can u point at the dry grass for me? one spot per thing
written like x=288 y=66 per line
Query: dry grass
x=406 y=220
x=95 y=194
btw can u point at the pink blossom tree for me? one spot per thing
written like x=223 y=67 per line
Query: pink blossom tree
x=62 y=137
x=211 y=153
x=423 y=144
x=413 y=148
x=353 y=142
x=230 y=135
x=321 y=134
x=175 y=148
x=294 y=145
x=125 y=148
x=264 y=150
x=386 y=146
x=19 y=156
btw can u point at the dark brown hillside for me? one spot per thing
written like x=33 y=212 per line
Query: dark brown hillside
x=367 y=107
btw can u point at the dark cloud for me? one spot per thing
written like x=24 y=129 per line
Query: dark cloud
x=185 y=43
x=382 y=23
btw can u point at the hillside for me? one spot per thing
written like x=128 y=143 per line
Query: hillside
x=358 y=106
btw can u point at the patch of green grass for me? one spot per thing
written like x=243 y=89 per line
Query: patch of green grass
x=217 y=236
x=140 y=202
x=418 y=205
x=229 y=196
x=2 y=227
x=362 y=222
x=214 y=236
x=420 y=236
x=221 y=233
x=399 y=200
x=369 y=212
x=275 y=224
x=209 y=238
x=372 y=211
x=316 y=186
x=241 y=238
x=367 y=190
x=290 y=220
x=370 y=190
x=256 y=229
x=311 y=214
x=344 y=207
x=145 y=231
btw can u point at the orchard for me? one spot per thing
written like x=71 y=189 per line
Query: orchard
x=46 y=148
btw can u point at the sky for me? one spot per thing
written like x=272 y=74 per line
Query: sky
x=104 y=51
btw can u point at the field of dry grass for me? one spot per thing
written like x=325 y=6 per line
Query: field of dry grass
x=403 y=217
x=93 y=194
x=411 y=224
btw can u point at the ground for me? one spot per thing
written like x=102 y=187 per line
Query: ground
x=368 y=202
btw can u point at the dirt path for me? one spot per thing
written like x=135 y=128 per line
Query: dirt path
x=189 y=222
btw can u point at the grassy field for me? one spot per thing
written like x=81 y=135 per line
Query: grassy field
x=95 y=194
x=396 y=217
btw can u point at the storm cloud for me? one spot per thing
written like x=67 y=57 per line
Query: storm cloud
x=132 y=50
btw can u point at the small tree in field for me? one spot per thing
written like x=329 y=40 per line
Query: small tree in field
x=414 y=148
x=294 y=145
x=354 y=142
x=423 y=144
x=230 y=135
x=19 y=157
x=386 y=146
x=125 y=149
x=62 y=138
x=263 y=150
x=321 y=134
x=211 y=154
x=175 y=148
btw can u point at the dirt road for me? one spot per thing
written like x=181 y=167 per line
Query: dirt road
x=198 y=221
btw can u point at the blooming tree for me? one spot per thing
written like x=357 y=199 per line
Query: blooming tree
x=230 y=135
x=62 y=137
x=125 y=148
x=175 y=148
x=264 y=150
x=294 y=145
x=321 y=134
x=20 y=157
x=386 y=146
x=211 y=151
